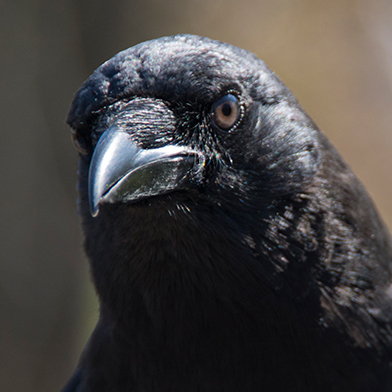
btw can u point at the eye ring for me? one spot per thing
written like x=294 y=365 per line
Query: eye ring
x=226 y=112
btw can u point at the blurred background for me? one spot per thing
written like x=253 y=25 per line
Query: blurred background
x=336 y=56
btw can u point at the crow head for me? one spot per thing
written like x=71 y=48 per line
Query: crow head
x=190 y=115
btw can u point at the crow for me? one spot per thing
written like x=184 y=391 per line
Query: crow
x=231 y=247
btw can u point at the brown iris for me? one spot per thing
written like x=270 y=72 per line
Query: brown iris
x=226 y=111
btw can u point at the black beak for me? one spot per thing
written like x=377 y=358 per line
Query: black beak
x=120 y=171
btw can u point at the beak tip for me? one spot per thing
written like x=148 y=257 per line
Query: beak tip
x=94 y=208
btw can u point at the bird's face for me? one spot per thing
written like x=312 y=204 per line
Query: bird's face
x=191 y=117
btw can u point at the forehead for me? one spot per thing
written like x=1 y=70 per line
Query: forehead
x=180 y=68
x=164 y=68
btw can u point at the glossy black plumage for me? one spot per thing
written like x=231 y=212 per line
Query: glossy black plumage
x=265 y=268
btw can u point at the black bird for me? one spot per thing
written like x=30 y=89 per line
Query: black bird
x=231 y=247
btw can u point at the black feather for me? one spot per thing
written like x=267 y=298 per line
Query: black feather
x=269 y=271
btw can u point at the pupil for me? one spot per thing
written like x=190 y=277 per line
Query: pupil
x=226 y=109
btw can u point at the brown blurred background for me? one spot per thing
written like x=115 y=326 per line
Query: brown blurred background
x=336 y=56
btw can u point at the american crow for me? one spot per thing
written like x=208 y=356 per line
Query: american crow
x=231 y=247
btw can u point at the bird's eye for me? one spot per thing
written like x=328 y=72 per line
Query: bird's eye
x=78 y=145
x=226 y=111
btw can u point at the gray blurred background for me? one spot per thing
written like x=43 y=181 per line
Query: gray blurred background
x=336 y=56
